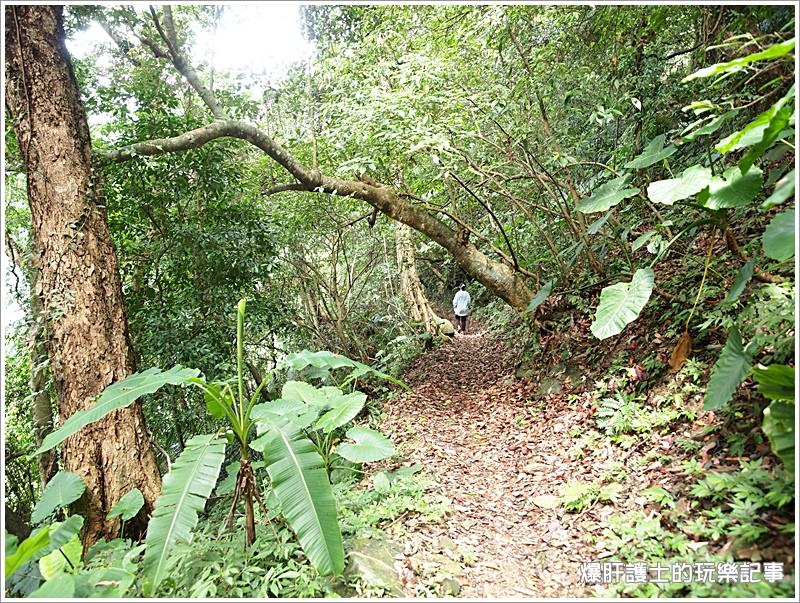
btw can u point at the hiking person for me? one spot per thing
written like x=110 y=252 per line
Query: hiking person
x=461 y=303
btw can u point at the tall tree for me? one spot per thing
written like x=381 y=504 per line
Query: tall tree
x=411 y=287
x=79 y=278
x=502 y=279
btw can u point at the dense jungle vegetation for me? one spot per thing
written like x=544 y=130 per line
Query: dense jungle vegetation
x=236 y=374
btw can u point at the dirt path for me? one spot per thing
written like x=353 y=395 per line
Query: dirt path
x=494 y=446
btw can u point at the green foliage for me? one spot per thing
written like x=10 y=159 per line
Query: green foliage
x=194 y=235
x=39 y=539
x=779 y=236
x=729 y=371
x=345 y=410
x=326 y=361
x=115 y=396
x=63 y=532
x=777 y=383
x=64 y=558
x=784 y=189
x=184 y=492
x=742 y=278
x=779 y=420
x=653 y=153
x=773 y=52
x=301 y=484
x=733 y=189
x=691 y=181
x=64 y=488
x=541 y=295
x=607 y=196
x=577 y=496
x=660 y=496
x=740 y=499
x=621 y=304
x=369 y=446
x=128 y=506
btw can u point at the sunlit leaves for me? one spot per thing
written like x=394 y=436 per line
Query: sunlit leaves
x=762 y=131
x=784 y=189
x=773 y=52
x=621 y=304
x=691 y=181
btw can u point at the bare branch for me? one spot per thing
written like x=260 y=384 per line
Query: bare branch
x=761 y=275
x=177 y=60
x=280 y=188
x=494 y=217
x=216 y=129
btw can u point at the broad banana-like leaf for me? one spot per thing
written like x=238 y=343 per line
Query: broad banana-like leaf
x=115 y=396
x=27 y=548
x=300 y=482
x=183 y=495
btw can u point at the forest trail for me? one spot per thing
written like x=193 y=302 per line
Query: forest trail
x=494 y=450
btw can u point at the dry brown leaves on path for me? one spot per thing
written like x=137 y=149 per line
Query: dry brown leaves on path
x=499 y=453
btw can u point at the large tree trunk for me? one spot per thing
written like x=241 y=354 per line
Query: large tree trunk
x=410 y=284
x=79 y=279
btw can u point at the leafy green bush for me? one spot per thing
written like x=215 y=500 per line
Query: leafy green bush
x=296 y=440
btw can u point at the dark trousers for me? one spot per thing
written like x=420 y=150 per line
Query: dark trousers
x=461 y=324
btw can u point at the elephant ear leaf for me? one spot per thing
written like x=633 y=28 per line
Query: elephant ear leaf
x=128 y=506
x=621 y=304
x=370 y=446
x=776 y=382
x=344 y=410
x=607 y=196
x=64 y=488
x=183 y=495
x=301 y=483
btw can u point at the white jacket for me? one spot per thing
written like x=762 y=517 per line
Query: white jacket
x=461 y=303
